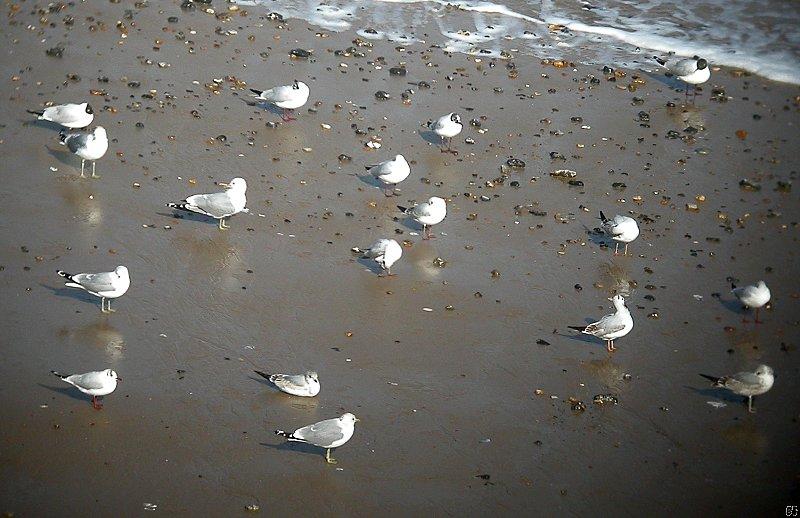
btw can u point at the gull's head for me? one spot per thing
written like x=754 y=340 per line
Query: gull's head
x=312 y=376
x=764 y=370
x=121 y=271
x=348 y=418
x=435 y=201
x=299 y=85
x=400 y=158
x=618 y=300
x=237 y=184
x=112 y=374
x=88 y=108
x=761 y=285
x=701 y=63
x=100 y=132
x=296 y=85
x=455 y=118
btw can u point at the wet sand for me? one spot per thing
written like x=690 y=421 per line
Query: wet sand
x=450 y=420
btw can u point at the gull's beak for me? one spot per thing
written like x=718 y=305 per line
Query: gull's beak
x=223 y=184
x=119 y=379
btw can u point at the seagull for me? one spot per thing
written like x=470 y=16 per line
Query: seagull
x=106 y=285
x=747 y=384
x=752 y=297
x=88 y=146
x=621 y=229
x=692 y=71
x=385 y=252
x=610 y=327
x=390 y=173
x=447 y=126
x=330 y=433
x=287 y=97
x=427 y=214
x=95 y=383
x=306 y=385
x=73 y=116
x=219 y=205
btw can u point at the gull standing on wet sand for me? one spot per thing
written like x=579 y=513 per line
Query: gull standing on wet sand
x=88 y=146
x=747 y=384
x=286 y=97
x=427 y=214
x=447 y=126
x=385 y=252
x=621 y=229
x=390 y=173
x=73 y=116
x=95 y=383
x=692 y=71
x=306 y=385
x=219 y=205
x=106 y=285
x=328 y=434
x=753 y=297
x=610 y=327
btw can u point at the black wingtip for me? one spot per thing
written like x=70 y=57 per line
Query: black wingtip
x=660 y=61
x=733 y=286
x=715 y=379
x=64 y=274
x=603 y=217
x=62 y=376
x=578 y=328
x=62 y=136
x=402 y=209
x=34 y=112
x=257 y=92
x=283 y=434
x=262 y=374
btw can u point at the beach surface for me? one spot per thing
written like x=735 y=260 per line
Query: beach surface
x=461 y=367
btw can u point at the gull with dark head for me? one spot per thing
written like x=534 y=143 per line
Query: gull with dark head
x=447 y=127
x=288 y=97
x=692 y=71
x=73 y=116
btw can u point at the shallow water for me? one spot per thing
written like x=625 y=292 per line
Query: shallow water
x=761 y=37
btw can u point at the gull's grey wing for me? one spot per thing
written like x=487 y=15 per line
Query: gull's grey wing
x=683 y=67
x=321 y=434
x=290 y=381
x=217 y=205
x=65 y=114
x=96 y=282
x=742 y=380
x=606 y=325
x=76 y=141
x=279 y=94
x=421 y=210
x=89 y=381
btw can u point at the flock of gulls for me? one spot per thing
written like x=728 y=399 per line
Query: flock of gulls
x=335 y=432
